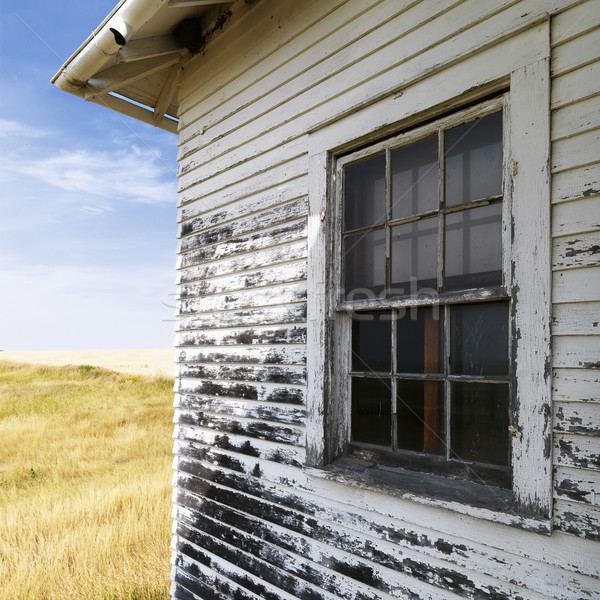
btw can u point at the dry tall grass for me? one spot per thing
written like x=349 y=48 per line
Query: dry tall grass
x=85 y=468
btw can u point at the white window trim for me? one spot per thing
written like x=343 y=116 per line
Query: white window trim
x=525 y=72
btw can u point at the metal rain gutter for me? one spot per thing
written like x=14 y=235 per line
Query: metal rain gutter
x=105 y=42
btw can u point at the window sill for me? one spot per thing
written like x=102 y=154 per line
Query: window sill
x=468 y=498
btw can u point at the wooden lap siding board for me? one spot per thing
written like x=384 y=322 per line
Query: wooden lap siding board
x=576 y=330
x=250 y=522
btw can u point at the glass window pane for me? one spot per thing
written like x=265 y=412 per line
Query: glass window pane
x=372 y=411
x=420 y=416
x=473 y=240
x=414 y=250
x=473 y=155
x=415 y=178
x=479 y=339
x=364 y=193
x=364 y=264
x=479 y=422
x=420 y=335
x=372 y=341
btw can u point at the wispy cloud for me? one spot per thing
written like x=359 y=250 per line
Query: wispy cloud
x=103 y=178
x=13 y=129
x=132 y=175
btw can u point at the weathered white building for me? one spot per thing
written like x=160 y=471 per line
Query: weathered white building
x=389 y=290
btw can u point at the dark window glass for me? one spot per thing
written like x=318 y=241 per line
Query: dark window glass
x=415 y=178
x=364 y=264
x=450 y=379
x=414 y=253
x=420 y=334
x=479 y=339
x=372 y=341
x=420 y=416
x=474 y=248
x=364 y=193
x=479 y=422
x=473 y=154
x=372 y=411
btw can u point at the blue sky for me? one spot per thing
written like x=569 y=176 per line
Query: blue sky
x=87 y=199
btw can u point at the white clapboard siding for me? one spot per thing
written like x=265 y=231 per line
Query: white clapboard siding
x=574 y=450
x=256 y=277
x=583 y=182
x=202 y=215
x=223 y=192
x=574 y=119
x=576 y=255
x=575 y=53
x=573 y=23
x=416 y=526
x=213 y=446
x=325 y=98
x=251 y=521
x=576 y=151
x=268 y=257
x=216 y=340
x=342 y=543
x=578 y=519
x=452 y=30
x=249 y=298
x=282 y=213
x=324 y=50
x=575 y=251
x=277 y=235
x=581 y=385
x=270 y=315
x=577 y=417
x=577 y=351
x=577 y=485
x=291 y=158
x=393 y=533
x=255 y=41
x=572 y=218
x=576 y=285
x=268 y=373
x=296 y=51
x=575 y=85
x=576 y=319
x=293 y=354
x=249 y=409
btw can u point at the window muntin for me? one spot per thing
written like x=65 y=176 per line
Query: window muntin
x=427 y=213
x=429 y=384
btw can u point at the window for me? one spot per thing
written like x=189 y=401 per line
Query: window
x=485 y=398
x=424 y=289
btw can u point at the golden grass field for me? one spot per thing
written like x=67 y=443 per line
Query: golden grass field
x=85 y=471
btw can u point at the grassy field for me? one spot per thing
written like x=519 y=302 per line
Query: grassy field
x=85 y=470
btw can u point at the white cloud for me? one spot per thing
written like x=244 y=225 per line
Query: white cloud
x=36 y=163
x=132 y=175
x=49 y=194
x=14 y=129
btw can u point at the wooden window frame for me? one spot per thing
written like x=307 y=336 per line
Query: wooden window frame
x=527 y=199
x=348 y=309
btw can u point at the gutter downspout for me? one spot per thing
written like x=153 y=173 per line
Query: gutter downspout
x=119 y=26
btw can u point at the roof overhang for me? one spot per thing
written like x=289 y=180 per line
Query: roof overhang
x=132 y=62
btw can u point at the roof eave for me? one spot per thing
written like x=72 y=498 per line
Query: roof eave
x=100 y=51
